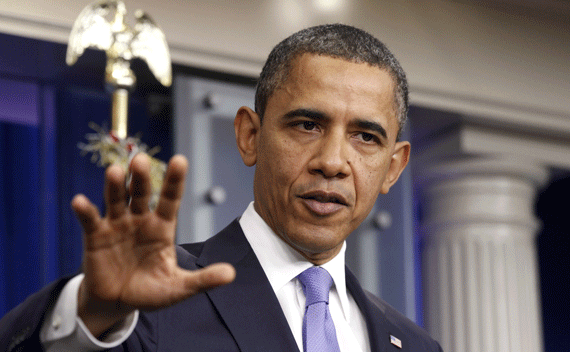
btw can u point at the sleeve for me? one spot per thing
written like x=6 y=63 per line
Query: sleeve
x=63 y=330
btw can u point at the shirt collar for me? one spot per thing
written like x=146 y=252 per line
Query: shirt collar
x=282 y=263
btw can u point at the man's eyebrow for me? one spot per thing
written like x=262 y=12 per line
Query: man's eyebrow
x=371 y=126
x=320 y=116
x=312 y=114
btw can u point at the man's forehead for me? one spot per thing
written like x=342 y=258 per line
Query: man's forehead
x=310 y=69
x=303 y=57
x=298 y=70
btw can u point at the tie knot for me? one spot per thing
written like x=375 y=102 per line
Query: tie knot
x=316 y=283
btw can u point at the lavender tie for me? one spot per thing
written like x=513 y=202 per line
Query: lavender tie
x=318 y=328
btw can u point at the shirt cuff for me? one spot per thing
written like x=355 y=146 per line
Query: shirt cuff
x=63 y=330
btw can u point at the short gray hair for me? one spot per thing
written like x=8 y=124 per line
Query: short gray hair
x=338 y=41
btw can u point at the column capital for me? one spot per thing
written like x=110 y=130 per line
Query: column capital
x=443 y=135
x=483 y=196
x=454 y=167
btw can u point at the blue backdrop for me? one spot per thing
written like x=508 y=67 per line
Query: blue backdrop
x=20 y=217
x=45 y=108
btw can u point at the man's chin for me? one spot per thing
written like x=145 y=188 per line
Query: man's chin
x=315 y=241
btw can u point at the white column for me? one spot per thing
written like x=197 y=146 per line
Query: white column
x=480 y=274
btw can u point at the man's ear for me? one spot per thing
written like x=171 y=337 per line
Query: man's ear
x=398 y=163
x=246 y=126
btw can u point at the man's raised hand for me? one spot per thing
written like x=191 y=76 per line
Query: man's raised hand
x=129 y=258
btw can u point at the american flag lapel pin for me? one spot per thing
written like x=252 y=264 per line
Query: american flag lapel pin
x=395 y=341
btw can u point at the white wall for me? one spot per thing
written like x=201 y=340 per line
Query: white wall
x=458 y=56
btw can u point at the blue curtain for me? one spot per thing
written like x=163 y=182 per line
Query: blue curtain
x=29 y=240
x=21 y=266
x=28 y=194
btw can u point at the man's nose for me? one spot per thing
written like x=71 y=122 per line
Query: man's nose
x=331 y=157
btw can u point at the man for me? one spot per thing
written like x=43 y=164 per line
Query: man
x=324 y=137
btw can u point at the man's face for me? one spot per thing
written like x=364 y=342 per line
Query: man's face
x=325 y=149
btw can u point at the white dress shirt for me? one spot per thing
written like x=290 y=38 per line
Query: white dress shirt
x=63 y=330
x=282 y=264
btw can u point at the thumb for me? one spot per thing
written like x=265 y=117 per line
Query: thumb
x=213 y=275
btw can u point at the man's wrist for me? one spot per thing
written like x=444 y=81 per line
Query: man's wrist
x=113 y=338
x=62 y=328
x=100 y=317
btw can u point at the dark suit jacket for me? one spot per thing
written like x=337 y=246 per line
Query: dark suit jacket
x=242 y=316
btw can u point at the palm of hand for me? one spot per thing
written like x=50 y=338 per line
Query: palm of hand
x=129 y=255
x=133 y=260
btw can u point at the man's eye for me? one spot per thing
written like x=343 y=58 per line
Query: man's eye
x=309 y=125
x=367 y=137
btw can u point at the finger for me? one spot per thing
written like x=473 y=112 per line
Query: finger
x=207 y=278
x=172 y=188
x=115 y=191
x=87 y=213
x=140 y=188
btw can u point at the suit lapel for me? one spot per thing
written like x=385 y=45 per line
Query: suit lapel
x=380 y=329
x=248 y=305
